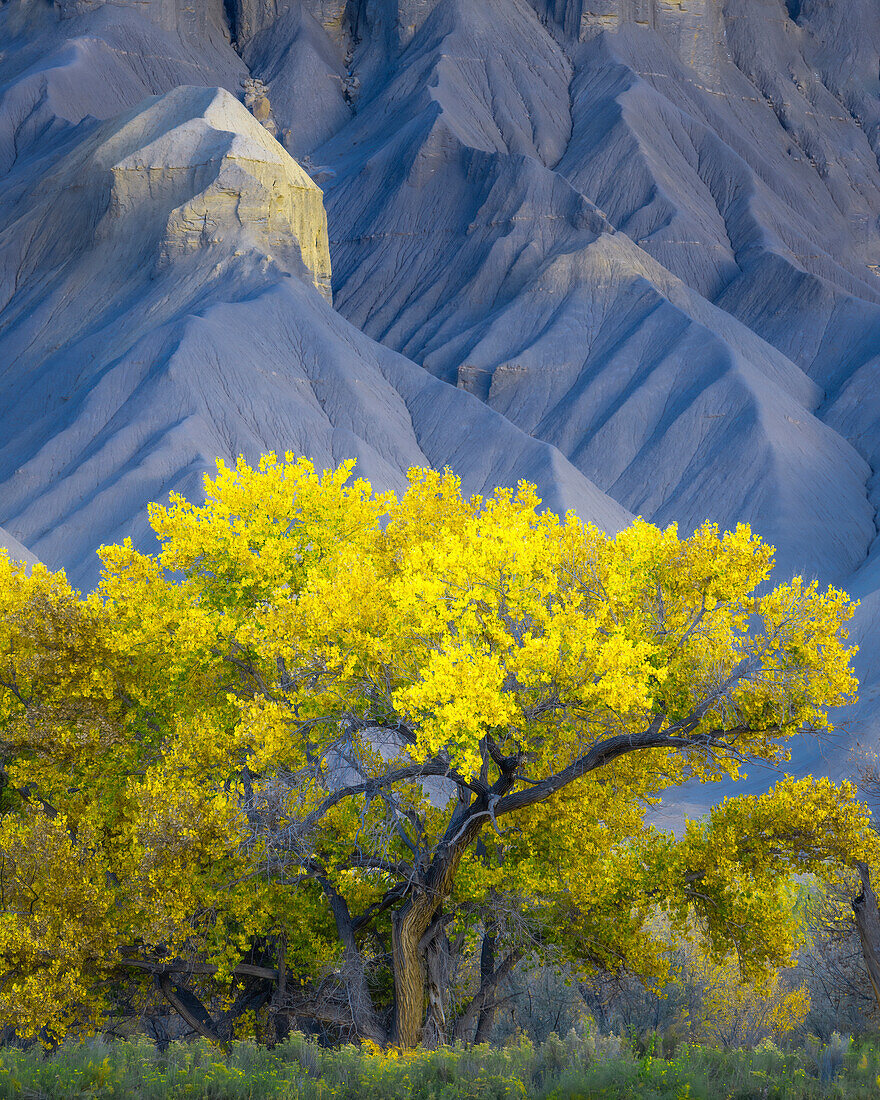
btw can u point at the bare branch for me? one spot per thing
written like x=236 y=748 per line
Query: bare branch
x=378 y=784
x=400 y=868
x=381 y=906
x=243 y=970
x=676 y=736
x=190 y=1008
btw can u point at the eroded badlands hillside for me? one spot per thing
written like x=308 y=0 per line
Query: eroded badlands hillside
x=628 y=249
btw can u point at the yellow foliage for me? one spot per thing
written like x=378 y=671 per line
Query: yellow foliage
x=170 y=740
x=734 y=1012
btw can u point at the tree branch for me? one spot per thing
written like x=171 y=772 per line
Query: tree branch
x=401 y=868
x=190 y=1008
x=243 y=970
x=603 y=753
x=676 y=736
x=381 y=906
x=380 y=782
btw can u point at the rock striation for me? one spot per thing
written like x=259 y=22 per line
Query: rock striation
x=211 y=336
x=569 y=287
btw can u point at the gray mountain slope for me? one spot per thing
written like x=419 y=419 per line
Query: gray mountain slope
x=14 y=548
x=306 y=74
x=454 y=243
x=212 y=337
x=747 y=197
x=62 y=63
x=758 y=182
x=737 y=144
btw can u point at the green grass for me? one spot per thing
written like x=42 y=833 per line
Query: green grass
x=559 y=1069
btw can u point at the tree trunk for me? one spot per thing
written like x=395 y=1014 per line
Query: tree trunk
x=190 y=1008
x=279 y=1014
x=410 y=923
x=481 y=1010
x=193 y=1011
x=353 y=975
x=437 y=971
x=868 y=924
x=408 y=928
x=487 y=974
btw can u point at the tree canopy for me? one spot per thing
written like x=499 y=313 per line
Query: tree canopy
x=359 y=755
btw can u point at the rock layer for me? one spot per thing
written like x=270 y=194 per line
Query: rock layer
x=211 y=337
x=481 y=198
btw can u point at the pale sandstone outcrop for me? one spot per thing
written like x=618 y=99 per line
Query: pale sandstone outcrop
x=211 y=174
x=694 y=28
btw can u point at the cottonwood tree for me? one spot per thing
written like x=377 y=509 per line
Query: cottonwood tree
x=843 y=959
x=358 y=755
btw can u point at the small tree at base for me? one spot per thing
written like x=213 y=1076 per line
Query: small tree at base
x=359 y=755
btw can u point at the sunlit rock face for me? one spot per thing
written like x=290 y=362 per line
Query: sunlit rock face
x=694 y=29
x=344 y=21
x=203 y=170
